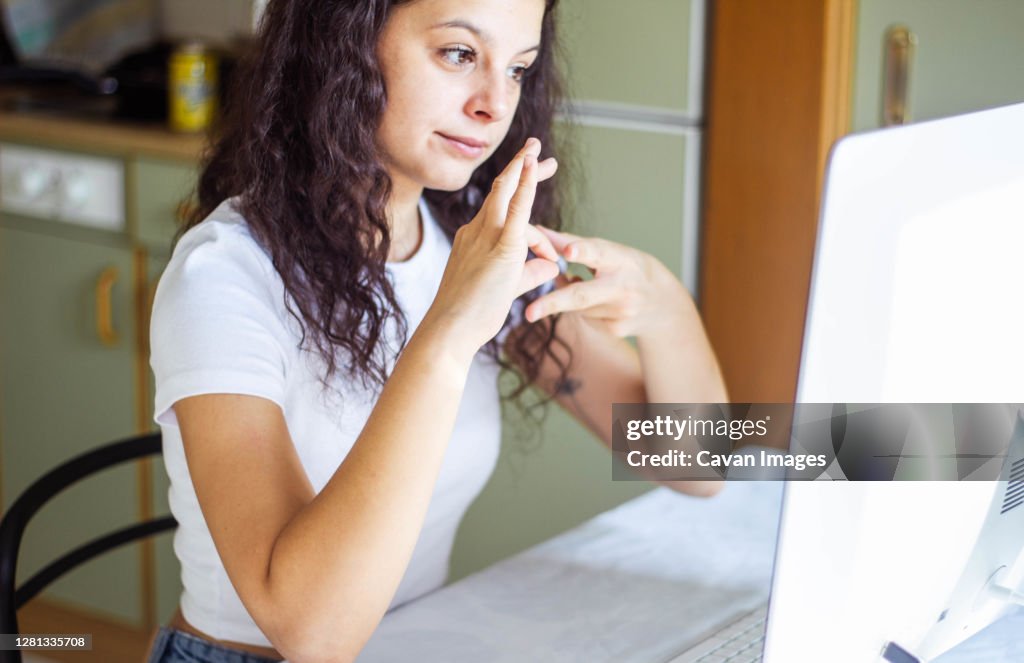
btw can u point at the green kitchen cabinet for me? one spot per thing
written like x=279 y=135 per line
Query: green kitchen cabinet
x=71 y=383
x=68 y=386
x=644 y=56
x=639 y=188
x=159 y=192
x=968 y=56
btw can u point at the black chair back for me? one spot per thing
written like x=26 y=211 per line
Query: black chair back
x=14 y=522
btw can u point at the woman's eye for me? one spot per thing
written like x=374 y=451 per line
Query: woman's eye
x=517 y=72
x=458 y=56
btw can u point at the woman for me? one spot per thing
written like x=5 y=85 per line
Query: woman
x=317 y=473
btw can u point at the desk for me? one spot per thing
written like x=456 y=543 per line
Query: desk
x=637 y=583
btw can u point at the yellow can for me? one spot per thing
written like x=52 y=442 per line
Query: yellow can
x=192 y=88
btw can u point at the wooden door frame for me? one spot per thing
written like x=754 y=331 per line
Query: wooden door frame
x=778 y=97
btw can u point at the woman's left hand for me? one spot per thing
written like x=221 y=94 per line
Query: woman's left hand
x=631 y=294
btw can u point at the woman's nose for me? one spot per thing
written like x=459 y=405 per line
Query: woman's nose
x=490 y=100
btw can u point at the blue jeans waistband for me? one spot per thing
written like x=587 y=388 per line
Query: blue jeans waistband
x=174 y=646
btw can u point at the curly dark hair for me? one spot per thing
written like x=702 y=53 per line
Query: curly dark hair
x=301 y=117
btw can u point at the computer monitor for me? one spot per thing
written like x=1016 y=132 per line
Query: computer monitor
x=916 y=296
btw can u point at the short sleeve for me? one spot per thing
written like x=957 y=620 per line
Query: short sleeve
x=216 y=325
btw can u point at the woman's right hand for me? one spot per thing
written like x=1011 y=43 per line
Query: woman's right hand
x=487 y=268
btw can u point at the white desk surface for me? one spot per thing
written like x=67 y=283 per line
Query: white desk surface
x=637 y=583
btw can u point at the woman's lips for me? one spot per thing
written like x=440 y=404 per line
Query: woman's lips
x=466 y=147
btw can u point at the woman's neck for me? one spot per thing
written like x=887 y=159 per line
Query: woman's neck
x=404 y=222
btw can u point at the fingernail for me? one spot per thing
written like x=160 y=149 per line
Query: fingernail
x=531 y=141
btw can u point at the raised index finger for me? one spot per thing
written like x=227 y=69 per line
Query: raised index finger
x=506 y=183
x=521 y=205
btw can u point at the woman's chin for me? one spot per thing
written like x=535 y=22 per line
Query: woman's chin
x=450 y=181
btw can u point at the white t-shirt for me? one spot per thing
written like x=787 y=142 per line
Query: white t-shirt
x=219 y=325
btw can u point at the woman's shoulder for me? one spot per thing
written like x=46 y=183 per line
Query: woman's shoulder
x=224 y=234
x=218 y=264
x=220 y=248
x=218 y=324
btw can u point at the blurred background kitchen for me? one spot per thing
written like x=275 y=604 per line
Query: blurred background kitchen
x=702 y=131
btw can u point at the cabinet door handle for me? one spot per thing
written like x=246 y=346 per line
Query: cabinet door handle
x=899 y=50
x=104 y=310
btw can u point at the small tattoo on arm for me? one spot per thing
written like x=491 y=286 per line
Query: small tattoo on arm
x=568 y=386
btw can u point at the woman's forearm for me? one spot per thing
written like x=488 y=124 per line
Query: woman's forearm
x=679 y=365
x=335 y=567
